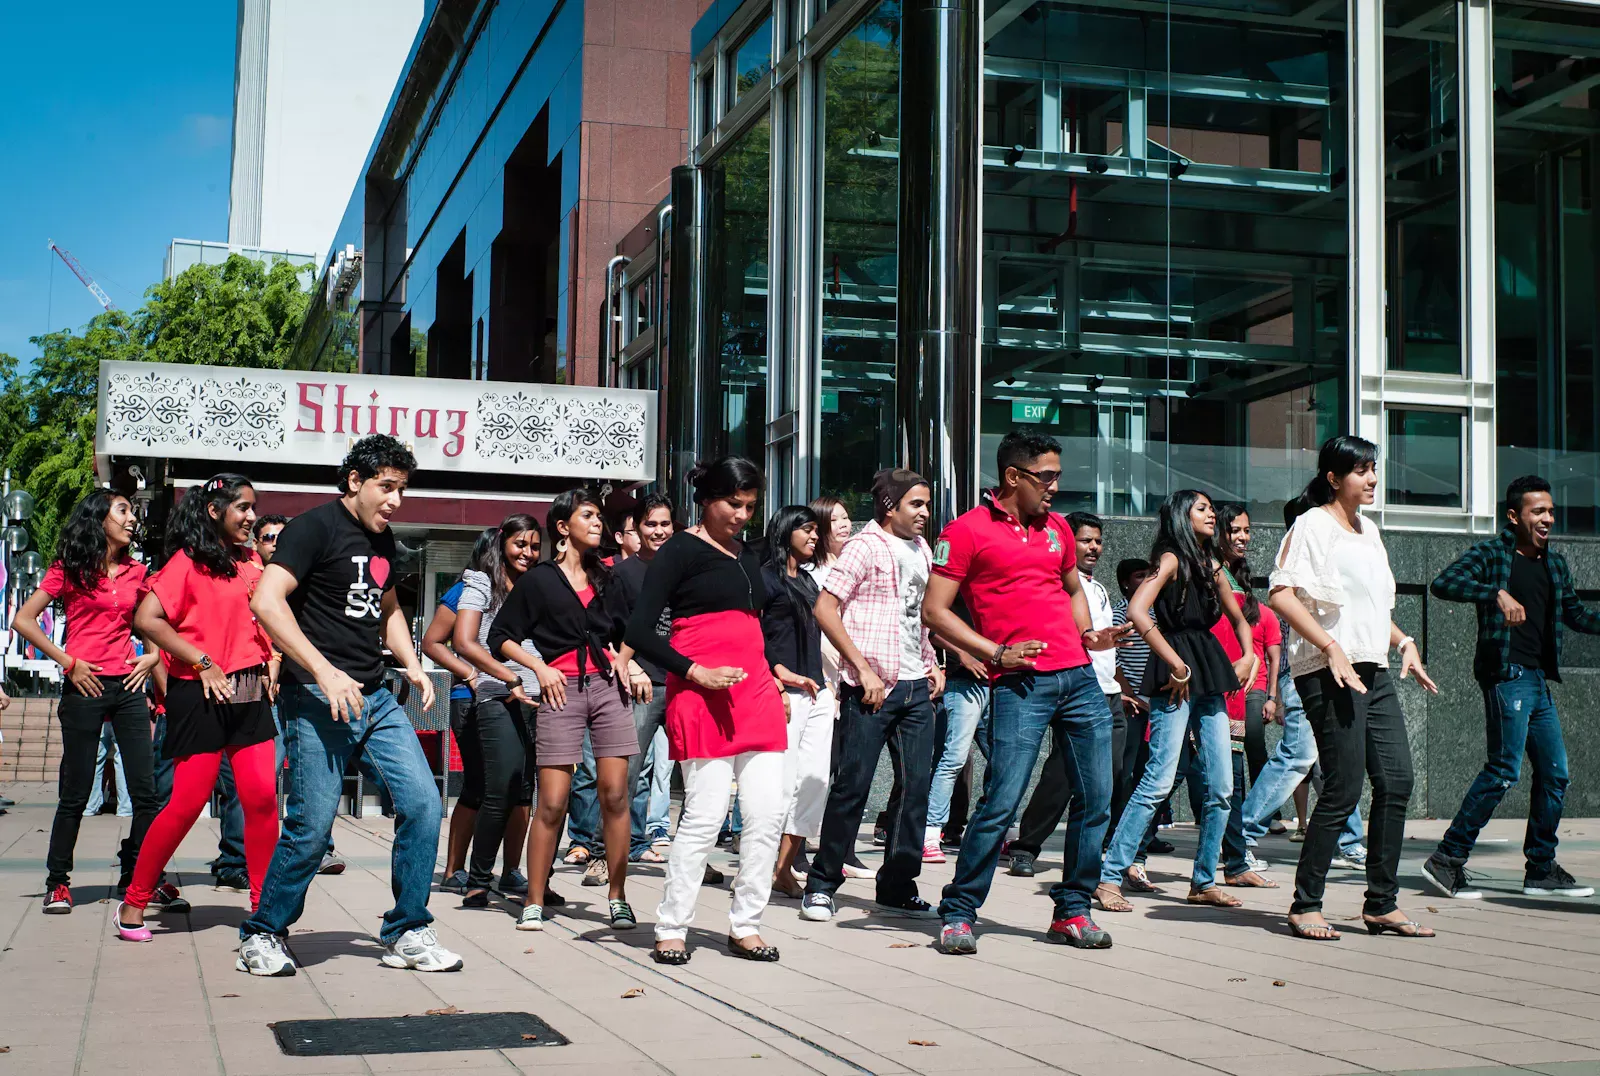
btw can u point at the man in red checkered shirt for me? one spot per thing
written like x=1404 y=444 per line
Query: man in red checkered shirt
x=871 y=610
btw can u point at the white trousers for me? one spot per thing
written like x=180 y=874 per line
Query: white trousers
x=707 y=790
x=807 y=763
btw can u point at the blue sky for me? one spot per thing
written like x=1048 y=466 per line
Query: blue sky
x=115 y=137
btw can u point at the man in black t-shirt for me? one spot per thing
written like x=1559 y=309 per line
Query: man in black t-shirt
x=1525 y=598
x=328 y=601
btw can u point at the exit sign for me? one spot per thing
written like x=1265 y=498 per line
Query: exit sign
x=1032 y=410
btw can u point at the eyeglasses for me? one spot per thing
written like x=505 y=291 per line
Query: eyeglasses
x=1044 y=478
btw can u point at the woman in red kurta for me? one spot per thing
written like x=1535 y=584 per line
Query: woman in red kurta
x=198 y=611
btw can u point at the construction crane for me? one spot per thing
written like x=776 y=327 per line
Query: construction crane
x=82 y=274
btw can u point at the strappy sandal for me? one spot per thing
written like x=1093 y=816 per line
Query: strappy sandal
x=676 y=958
x=1322 y=932
x=1138 y=881
x=1402 y=928
x=1214 y=898
x=765 y=954
x=1249 y=880
x=1110 y=899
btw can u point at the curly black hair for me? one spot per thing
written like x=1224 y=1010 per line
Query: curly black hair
x=195 y=531
x=372 y=454
x=81 y=546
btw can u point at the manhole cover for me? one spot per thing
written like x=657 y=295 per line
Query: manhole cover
x=415 y=1034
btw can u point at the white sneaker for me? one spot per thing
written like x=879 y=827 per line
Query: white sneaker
x=419 y=950
x=1353 y=858
x=266 y=955
x=532 y=918
x=816 y=907
x=1255 y=862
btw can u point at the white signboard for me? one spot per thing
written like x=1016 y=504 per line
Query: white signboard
x=311 y=417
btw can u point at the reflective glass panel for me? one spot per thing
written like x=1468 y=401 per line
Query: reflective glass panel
x=1422 y=468
x=860 y=122
x=752 y=59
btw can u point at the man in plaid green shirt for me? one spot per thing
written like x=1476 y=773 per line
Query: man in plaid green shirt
x=1525 y=598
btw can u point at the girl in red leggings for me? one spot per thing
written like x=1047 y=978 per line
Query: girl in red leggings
x=198 y=612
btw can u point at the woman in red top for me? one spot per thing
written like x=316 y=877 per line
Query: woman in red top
x=725 y=716
x=99 y=584
x=198 y=611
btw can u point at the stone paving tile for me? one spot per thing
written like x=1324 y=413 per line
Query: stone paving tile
x=1185 y=992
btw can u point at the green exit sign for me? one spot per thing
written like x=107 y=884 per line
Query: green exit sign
x=1032 y=410
x=830 y=403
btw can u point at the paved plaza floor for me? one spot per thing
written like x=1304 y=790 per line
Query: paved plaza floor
x=1511 y=984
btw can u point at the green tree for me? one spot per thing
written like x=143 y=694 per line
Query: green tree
x=240 y=313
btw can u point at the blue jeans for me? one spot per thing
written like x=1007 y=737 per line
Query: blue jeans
x=965 y=702
x=658 y=820
x=318 y=750
x=649 y=718
x=97 y=791
x=1520 y=715
x=583 y=804
x=1023 y=705
x=1169 y=722
x=1289 y=765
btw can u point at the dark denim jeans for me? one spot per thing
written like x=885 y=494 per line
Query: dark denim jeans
x=1070 y=704
x=583 y=805
x=319 y=748
x=1519 y=715
x=905 y=723
x=81 y=721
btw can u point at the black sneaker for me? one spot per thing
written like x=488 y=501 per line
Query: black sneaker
x=910 y=908
x=712 y=876
x=816 y=907
x=167 y=898
x=234 y=878
x=1554 y=881
x=476 y=899
x=1159 y=847
x=1449 y=879
x=1021 y=864
x=880 y=836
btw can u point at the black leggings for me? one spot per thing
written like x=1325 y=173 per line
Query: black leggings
x=81 y=718
x=464 y=727
x=506 y=738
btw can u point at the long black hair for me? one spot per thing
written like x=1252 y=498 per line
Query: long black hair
x=562 y=509
x=1197 y=557
x=81 y=546
x=1339 y=456
x=1227 y=513
x=785 y=521
x=196 y=532
x=493 y=560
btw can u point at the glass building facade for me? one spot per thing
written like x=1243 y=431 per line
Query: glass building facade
x=1213 y=233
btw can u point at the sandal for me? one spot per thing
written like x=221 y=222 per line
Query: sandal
x=766 y=954
x=1110 y=899
x=650 y=855
x=1404 y=928
x=1137 y=880
x=1249 y=880
x=1314 y=931
x=1214 y=897
x=787 y=887
x=576 y=856
x=675 y=957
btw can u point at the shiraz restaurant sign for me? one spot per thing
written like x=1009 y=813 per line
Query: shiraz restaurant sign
x=311 y=417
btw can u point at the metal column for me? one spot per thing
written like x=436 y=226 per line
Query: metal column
x=940 y=197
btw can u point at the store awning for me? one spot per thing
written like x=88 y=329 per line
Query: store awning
x=483 y=439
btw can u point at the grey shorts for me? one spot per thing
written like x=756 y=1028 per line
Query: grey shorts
x=598 y=709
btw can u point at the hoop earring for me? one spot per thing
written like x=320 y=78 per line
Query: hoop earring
x=561 y=547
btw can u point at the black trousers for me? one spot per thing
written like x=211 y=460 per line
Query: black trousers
x=1054 y=790
x=904 y=723
x=506 y=742
x=1357 y=736
x=81 y=718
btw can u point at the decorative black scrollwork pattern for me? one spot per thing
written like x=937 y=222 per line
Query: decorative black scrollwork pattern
x=580 y=436
x=176 y=410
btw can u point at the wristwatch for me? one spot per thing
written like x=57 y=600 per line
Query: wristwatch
x=203 y=664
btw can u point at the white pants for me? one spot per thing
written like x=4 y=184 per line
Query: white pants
x=707 y=787
x=807 y=762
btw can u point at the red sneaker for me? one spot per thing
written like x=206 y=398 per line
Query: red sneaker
x=1080 y=932
x=58 y=901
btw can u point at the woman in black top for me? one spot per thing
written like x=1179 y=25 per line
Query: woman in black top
x=794 y=649
x=573 y=614
x=725 y=718
x=1186 y=679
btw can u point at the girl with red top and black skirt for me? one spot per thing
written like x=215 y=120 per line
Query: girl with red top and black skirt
x=99 y=584
x=573 y=613
x=198 y=611
x=725 y=716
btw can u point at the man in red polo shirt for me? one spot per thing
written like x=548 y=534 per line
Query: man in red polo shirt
x=1012 y=561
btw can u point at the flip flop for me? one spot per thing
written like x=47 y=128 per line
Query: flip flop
x=1110 y=899
x=1214 y=898
x=1403 y=928
x=1249 y=880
